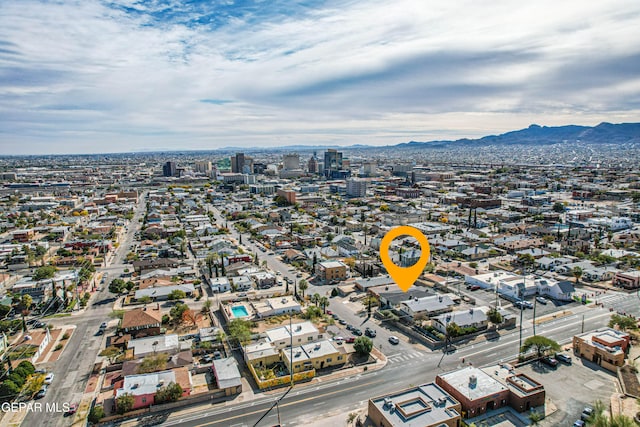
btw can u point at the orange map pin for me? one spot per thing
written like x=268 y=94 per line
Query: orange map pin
x=404 y=277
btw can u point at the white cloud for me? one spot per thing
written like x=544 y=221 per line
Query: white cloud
x=346 y=72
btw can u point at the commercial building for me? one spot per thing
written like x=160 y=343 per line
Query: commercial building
x=356 y=187
x=331 y=271
x=482 y=390
x=427 y=405
x=627 y=279
x=203 y=167
x=291 y=162
x=605 y=347
x=169 y=169
x=241 y=164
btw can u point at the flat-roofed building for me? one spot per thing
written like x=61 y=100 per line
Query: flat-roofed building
x=427 y=405
x=476 y=391
x=300 y=333
x=605 y=347
x=315 y=355
x=276 y=306
x=524 y=392
x=331 y=271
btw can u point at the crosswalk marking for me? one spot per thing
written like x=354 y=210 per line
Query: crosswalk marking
x=404 y=357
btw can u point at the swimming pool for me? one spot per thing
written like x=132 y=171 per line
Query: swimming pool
x=239 y=311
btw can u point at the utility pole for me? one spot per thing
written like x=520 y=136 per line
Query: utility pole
x=582 y=327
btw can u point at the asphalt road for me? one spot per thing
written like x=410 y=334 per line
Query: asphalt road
x=74 y=367
x=408 y=365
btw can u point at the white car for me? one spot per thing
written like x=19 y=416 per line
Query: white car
x=49 y=378
x=394 y=340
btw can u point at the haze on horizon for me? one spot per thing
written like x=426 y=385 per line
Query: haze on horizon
x=124 y=75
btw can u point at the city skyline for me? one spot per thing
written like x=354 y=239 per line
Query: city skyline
x=99 y=77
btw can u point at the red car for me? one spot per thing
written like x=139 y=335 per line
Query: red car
x=350 y=340
x=73 y=408
x=329 y=312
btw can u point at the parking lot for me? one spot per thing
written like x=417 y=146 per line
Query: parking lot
x=572 y=387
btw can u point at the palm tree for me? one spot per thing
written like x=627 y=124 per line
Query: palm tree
x=303 y=286
x=315 y=298
x=351 y=417
x=210 y=260
x=577 y=273
x=324 y=303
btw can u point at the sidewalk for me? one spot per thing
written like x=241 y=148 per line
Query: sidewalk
x=248 y=394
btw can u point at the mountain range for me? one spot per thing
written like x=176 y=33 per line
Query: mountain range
x=621 y=133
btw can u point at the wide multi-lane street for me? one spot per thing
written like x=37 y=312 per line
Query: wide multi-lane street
x=73 y=368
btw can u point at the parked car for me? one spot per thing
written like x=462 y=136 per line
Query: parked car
x=394 y=340
x=103 y=325
x=587 y=412
x=73 y=408
x=206 y=359
x=342 y=322
x=350 y=340
x=541 y=300
x=49 y=378
x=562 y=357
x=370 y=333
x=356 y=331
x=330 y=313
x=549 y=361
x=335 y=316
x=42 y=392
x=579 y=423
x=217 y=355
x=350 y=327
x=473 y=287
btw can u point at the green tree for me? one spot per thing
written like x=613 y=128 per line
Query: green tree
x=363 y=346
x=117 y=286
x=312 y=312
x=8 y=390
x=169 y=393
x=324 y=303
x=207 y=305
x=177 y=311
x=303 y=286
x=494 y=316
x=96 y=414
x=541 y=345
x=577 y=273
x=176 y=294
x=145 y=299
x=623 y=322
x=124 y=403
x=535 y=417
x=27 y=366
x=315 y=298
x=45 y=272
x=558 y=207
x=240 y=330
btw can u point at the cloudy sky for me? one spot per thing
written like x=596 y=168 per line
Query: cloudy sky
x=124 y=75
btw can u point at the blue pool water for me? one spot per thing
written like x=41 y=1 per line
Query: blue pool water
x=239 y=311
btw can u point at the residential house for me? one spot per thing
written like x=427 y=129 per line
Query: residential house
x=428 y=306
x=315 y=355
x=227 y=376
x=474 y=317
x=141 y=322
x=168 y=344
x=144 y=387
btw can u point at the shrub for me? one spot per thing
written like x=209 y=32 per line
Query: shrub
x=65 y=336
x=58 y=347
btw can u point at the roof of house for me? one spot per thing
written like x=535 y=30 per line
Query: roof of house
x=157 y=344
x=227 y=373
x=141 y=317
x=429 y=303
x=566 y=286
x=462 y=380
x=464 y=317
x=163 y=291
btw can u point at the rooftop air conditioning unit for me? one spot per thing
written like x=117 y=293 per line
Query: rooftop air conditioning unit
x=473 y=381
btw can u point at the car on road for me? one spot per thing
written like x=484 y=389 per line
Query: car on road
x=342 y=322
x=350 y=340
x=49 y=378
x=73 y=408
x=394 y=340
x=549 y=361
x=42 y=392
x=242 y=294
x=356 y=331
x=542 y=300
x=562 y=357
x=371 y=333
x=349 y=327
x=587 y=412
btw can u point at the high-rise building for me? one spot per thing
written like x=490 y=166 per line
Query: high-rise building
x=169 y=169
x=237 y=163
x=312 y=165
x=356 y=187
x=332 y=163
x=203 y=167
x=369 y=168
x=291 y=162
